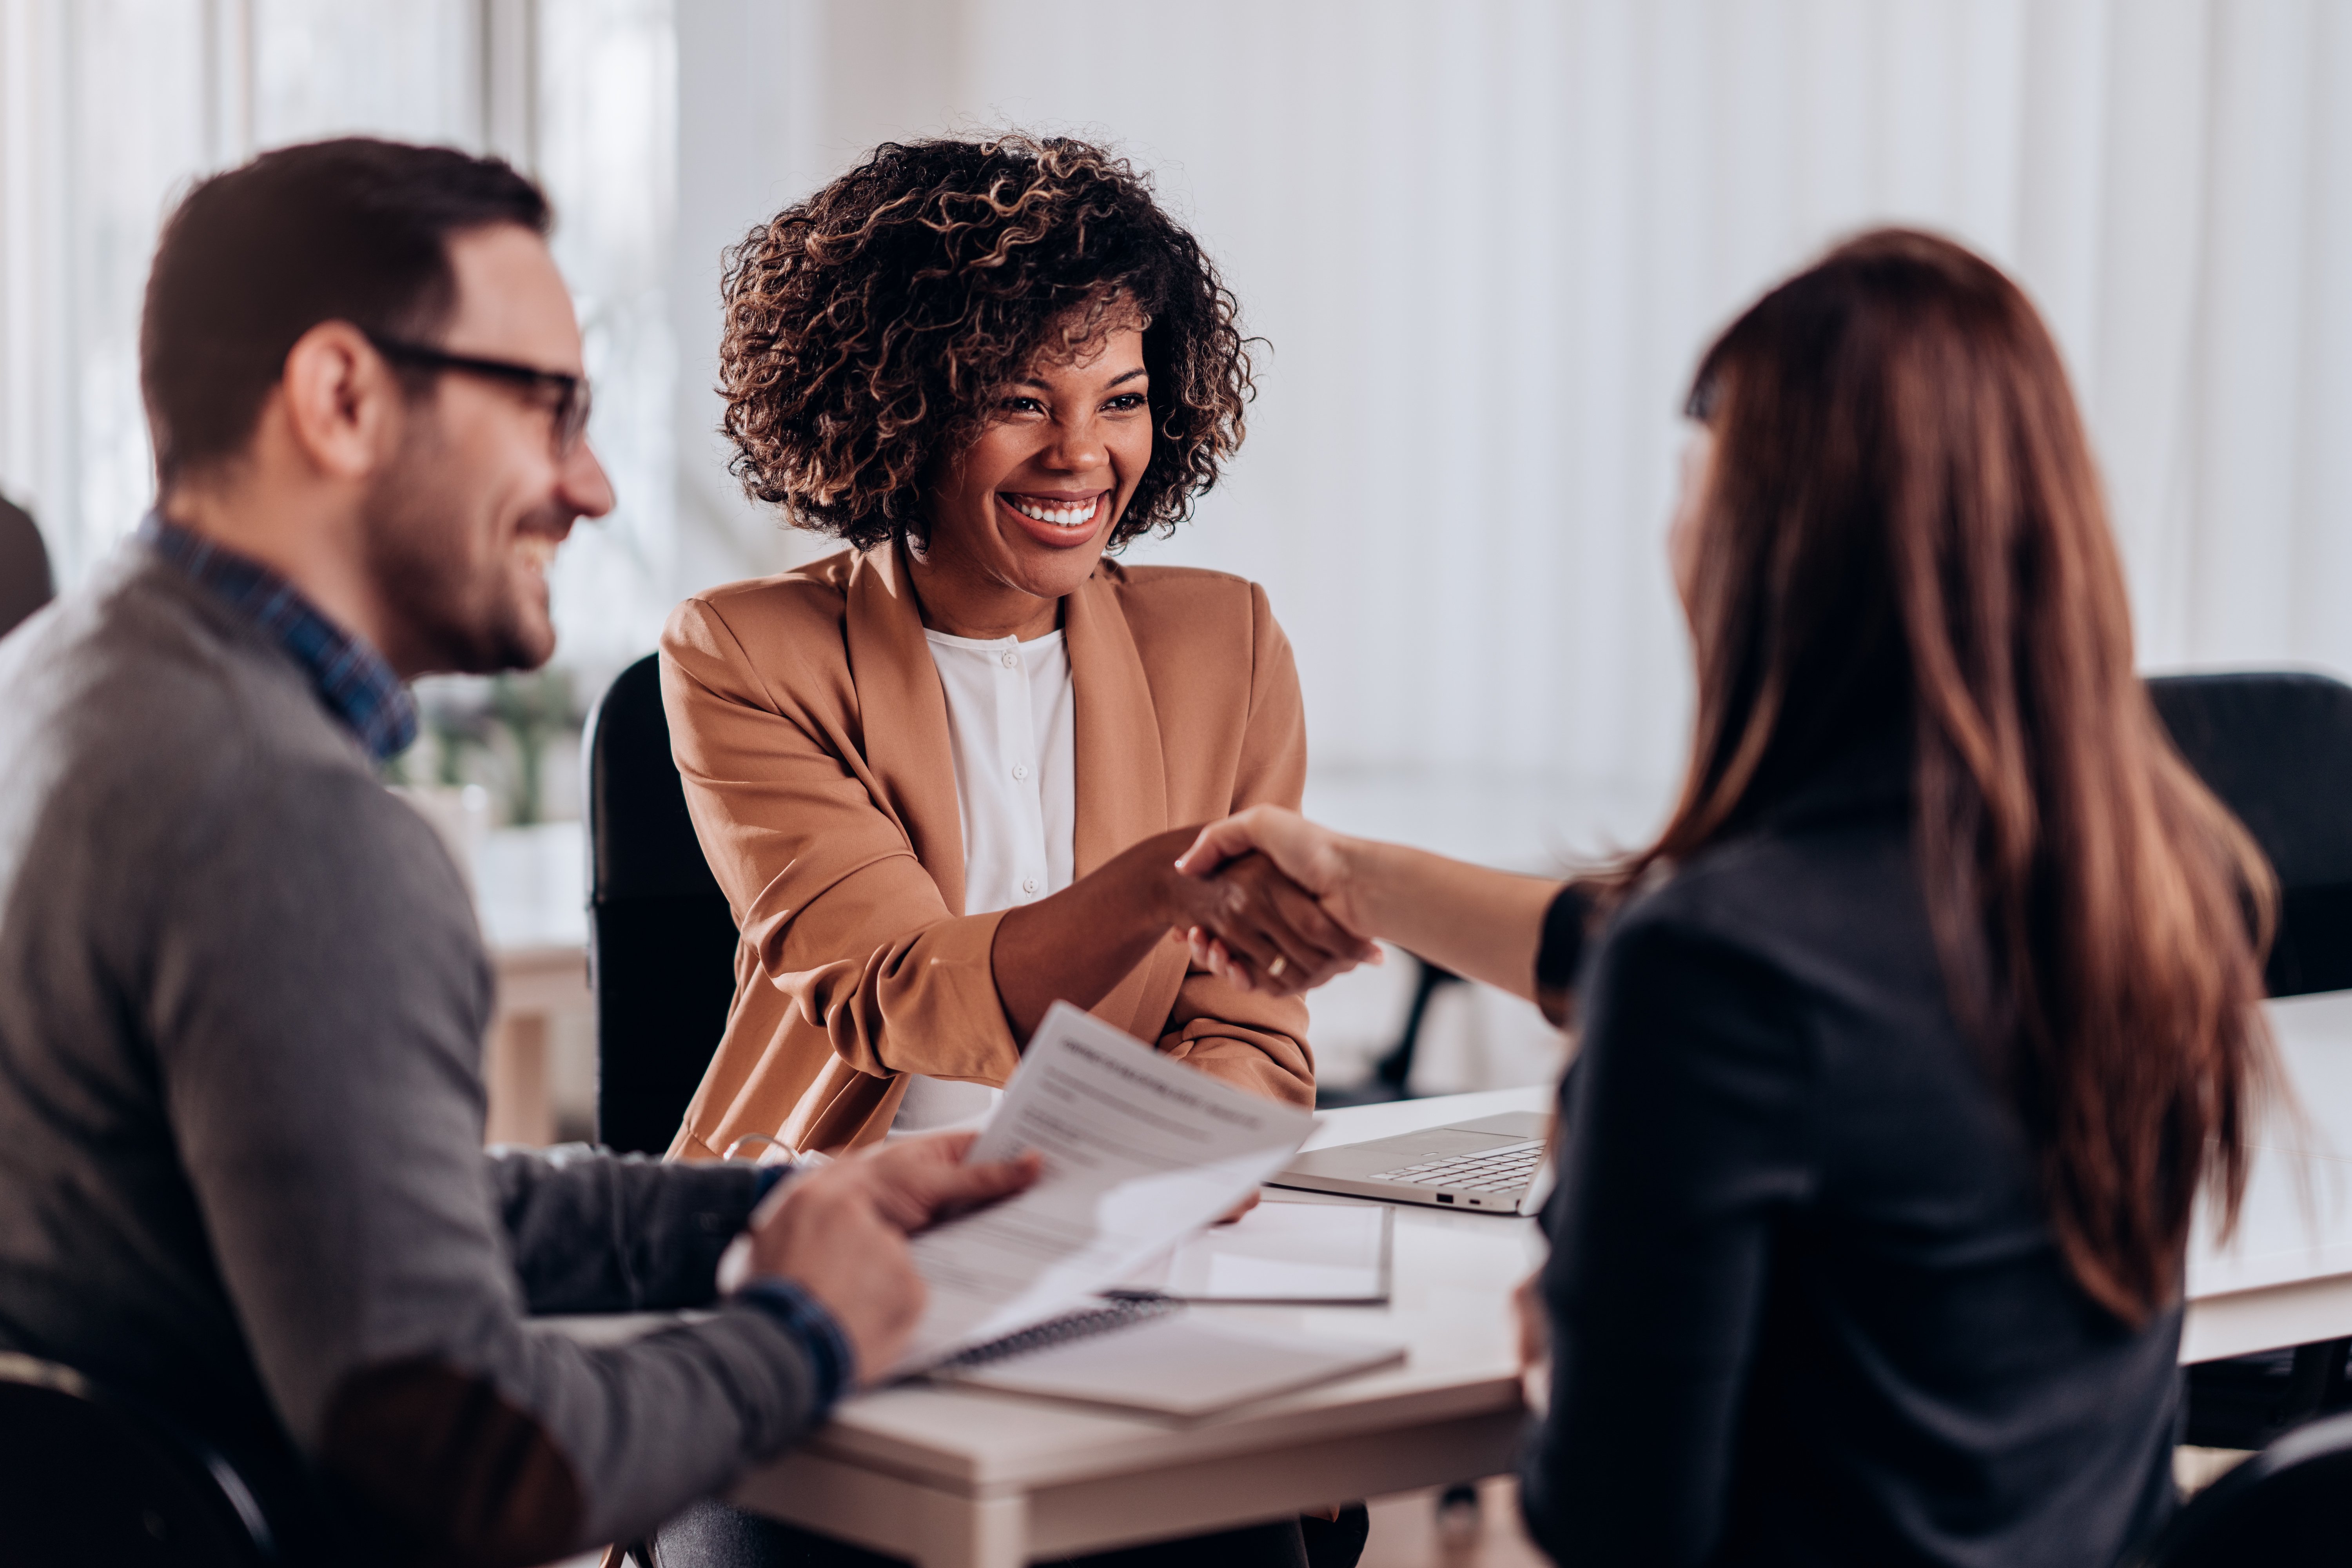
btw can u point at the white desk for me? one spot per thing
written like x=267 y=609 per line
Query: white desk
x=964 y=1479
x=2286 y=1277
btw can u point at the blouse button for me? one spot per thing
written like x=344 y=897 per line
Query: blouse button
x=1012 y=659
x=1028 y=884
x=1021 y=770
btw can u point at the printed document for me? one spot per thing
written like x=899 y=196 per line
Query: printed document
x=1282 y=1251
x=1139 y=1151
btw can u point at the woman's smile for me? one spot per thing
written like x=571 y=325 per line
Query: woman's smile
x=1021 y=515
x=1058 y=521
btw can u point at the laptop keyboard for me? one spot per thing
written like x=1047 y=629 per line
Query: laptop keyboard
x=1504 y=1170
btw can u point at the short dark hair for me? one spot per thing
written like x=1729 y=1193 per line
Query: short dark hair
x=355 y=230
x=867 y=326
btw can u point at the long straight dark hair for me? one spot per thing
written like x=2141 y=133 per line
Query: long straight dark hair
x=1902 y=526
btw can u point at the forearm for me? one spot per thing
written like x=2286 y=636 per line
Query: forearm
x=1251 y=1040
x=1475 y=921
x=386 y=1316
x=592 y=1232
x=393 y=1339
x=1076 y=945
x=560 y=1445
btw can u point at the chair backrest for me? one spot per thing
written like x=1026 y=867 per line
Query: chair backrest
x=2277 y=748
x=2283 y=1508
x=25 y=584
x=87 y=1476
x=661 y=940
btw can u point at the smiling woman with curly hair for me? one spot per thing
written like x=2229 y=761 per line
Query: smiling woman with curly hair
x=944 y=774
x=868 y=326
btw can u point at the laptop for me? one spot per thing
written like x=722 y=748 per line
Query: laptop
x=1490 y=1165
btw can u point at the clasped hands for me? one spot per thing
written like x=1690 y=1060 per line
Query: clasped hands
x=1272 y=907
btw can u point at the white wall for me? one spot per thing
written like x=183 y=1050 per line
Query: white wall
x=1486 y=239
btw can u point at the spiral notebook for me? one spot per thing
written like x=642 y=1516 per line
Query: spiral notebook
x=1149 y=1354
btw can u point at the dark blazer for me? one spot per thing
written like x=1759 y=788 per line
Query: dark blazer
x=25 y=584
x=1805 y=1303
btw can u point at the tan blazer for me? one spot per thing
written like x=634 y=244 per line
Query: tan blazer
x=809 y=725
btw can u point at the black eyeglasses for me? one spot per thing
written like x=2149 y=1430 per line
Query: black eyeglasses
x=572 y=395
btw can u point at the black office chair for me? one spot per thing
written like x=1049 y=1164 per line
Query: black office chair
x=25 y=583
x=1391 y=1077
x=2277 y=748
x=661 y=940
x=87 y=1476
x=2283 y=1508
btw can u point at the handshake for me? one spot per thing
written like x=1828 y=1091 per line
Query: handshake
x=1272 y=903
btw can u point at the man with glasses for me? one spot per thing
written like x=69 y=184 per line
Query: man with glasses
x=242 y=994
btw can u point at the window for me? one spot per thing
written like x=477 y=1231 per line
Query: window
x=111 y=109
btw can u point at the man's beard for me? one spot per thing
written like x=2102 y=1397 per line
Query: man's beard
x=421 y=553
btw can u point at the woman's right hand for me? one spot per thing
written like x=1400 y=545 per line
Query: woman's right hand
x=1075 y=945
x=1313 y=857
x=1249 y=924
x=1479 y=922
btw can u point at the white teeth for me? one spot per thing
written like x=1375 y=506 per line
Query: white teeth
x=1059 y=516
x=535 y=551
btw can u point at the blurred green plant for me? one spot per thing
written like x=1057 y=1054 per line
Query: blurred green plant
x=497 y=732
x=533 y=709
x=454 y=732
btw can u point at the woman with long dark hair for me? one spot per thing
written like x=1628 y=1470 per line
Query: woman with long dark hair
x=1910 y=1044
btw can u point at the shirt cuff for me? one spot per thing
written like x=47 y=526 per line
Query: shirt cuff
x=765 y=1179
x=1563 y=939
x=798 y=1312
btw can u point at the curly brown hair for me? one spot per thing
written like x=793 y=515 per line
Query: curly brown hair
x=868 y=327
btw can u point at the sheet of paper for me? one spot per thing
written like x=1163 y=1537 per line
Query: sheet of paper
x=1139 y=1151
x=1280 y=1252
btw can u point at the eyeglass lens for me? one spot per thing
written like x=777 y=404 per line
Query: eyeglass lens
x=572 y=416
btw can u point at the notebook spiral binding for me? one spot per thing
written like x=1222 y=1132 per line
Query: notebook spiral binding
x=1084 y=1323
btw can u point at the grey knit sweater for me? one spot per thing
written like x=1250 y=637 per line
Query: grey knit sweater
x=242 y=997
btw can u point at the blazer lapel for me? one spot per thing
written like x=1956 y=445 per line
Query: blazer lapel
x=904 y=715
x=1122 y=779
x=1122 y=782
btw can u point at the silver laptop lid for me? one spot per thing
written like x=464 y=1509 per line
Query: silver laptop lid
x=1490 y=1164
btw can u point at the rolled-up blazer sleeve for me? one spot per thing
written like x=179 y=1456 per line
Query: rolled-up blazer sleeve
x=1255 y=1042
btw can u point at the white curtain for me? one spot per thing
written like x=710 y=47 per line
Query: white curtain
x=1485 y=241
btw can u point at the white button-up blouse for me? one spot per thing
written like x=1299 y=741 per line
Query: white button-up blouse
x=1011 y=725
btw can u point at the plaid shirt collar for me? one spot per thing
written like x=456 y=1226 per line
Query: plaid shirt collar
x=351 y=677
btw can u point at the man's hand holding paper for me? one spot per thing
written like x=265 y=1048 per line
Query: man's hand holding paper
x=1137 y=1152
x=839 y=1232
